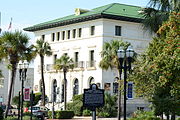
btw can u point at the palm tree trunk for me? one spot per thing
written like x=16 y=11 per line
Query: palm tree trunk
x=65 y=89
x=13 y=74
x=42 y=78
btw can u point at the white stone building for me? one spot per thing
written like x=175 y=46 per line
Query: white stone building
x=81 y=36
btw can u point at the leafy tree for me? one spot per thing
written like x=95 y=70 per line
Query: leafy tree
x=42 y=48
x=156 y=74
x=157 y=12
x=110 y=60
x=64 y=63
x=14 y=47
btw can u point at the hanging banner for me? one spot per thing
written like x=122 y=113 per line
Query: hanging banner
x=130 y=90
x=26 y=94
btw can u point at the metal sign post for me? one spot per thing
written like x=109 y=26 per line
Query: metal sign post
x=93 y=98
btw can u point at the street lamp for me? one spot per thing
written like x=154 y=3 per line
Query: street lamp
x=125 y=56
x=22 y=76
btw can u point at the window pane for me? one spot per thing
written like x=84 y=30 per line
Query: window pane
x=43 y=37
x=80 y=32
x=92 y=30
x=68 y=36
x=74 y=33
x=55 y=58
x=118 y=30
x=63 y=35
x=53 y=36
x=58 y=36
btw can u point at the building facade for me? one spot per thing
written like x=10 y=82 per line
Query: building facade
x=81 y=36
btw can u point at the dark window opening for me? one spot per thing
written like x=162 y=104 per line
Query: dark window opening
x=63 y=35
x=68 y=34
x=43 y=37
x=74 y=33
x=92 y=30
x=58 y=36
x=53 y=36
x=55 y=58
x=118 y=30
x=80 y=32
x=76 y=87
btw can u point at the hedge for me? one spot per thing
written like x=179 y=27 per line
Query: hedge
x=61 y=114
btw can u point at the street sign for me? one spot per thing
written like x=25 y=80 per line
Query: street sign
x=93 y=97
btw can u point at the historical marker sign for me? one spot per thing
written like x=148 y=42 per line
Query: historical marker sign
x=93 y=97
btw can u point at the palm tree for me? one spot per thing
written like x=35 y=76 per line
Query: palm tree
x=157 y=12
x=42 y=48
x=110 y=60
x=14 y=47
x=64 y=63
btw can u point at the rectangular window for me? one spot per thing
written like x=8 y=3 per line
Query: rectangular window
x=76 y=58
x=63 y=35
x=55 y=58
x=92 y=55
x=52 y=36
x=79 y=32
x=74 y=33
x=118 y=30
x=68 y=34
x=130 y=90
x=92 y=30
x=91 y=59
x=57 y=36
x=43 y=37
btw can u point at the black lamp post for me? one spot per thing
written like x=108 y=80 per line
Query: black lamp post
x=22 y=76
x=125 y=56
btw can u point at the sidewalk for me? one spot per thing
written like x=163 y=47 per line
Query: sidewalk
x=86 y=118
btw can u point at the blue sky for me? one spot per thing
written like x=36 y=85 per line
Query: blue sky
x=25 y=13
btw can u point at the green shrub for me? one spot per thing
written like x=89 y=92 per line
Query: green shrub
x=87 y=112
x=76 y=105
x=103 y=114
x=61 y=114
x=144 y=115
x=25 y=117
x=109 y=108
x=28 y=117
x=49 y=114
x=27 y=113
x=10 y=118
x=65 y=114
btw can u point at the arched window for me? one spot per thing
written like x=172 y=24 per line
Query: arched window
x=75 y=87
x=115 y=85
x=54 y=90
x=91 y=80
